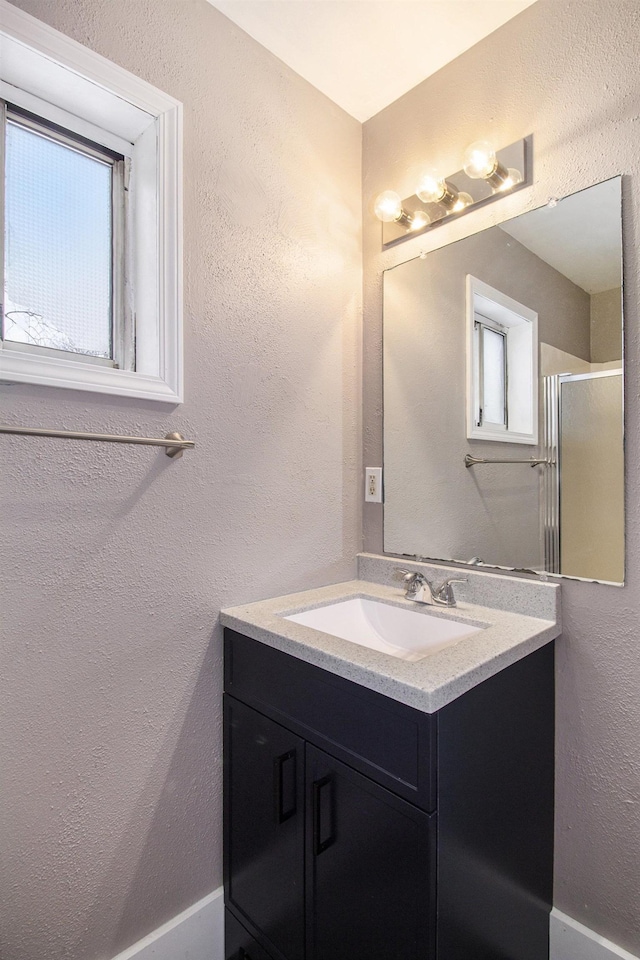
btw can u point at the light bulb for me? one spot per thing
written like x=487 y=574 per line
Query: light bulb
x=463 y=200
x=431 y=189
x=514 y=177
x=388 y=206
x=420 y=219
x=479 y=160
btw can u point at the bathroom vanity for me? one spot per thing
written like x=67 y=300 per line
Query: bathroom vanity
x=378 y=808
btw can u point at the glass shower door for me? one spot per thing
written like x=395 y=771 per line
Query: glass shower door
x=591 y=475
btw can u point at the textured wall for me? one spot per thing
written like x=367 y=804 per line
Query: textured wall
x=116 y=560
x=568 y=73
x=433 y=506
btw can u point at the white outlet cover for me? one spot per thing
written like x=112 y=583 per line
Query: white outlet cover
x=373 y=484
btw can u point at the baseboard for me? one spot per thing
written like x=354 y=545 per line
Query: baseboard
x=195 y=934
x=198 y=934
x=570 y=940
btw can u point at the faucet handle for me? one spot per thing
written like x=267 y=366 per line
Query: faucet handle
x=444 y=592
x=413 y=582
x=405 y=575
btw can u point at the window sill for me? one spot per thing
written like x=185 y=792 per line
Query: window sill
x=17 y=367
x=503 y=436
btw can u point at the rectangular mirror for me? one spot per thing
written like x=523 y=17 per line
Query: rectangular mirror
x=503 y=394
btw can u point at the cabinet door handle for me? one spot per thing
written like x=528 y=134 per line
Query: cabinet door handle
x=285 y=785
x=323 y=814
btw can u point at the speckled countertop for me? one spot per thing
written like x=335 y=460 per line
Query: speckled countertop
x=426 y=684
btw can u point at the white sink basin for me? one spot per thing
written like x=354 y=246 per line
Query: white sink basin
x=407 y=634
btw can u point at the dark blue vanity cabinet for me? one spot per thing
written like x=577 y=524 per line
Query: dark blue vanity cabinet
x=359 y=828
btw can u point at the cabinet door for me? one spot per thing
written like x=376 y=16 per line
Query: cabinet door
x=240 y=945
x=264 y=827
x=370 y=863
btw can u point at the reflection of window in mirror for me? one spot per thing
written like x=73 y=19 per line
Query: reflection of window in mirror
x=490 y=400
x=502 y=366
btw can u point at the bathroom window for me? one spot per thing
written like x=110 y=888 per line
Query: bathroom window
x=491 y=352
x=64 y=244
x=93 y=231
x=502 y=366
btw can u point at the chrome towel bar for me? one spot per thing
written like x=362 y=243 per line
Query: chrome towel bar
x=173 y=443
x=470 y=461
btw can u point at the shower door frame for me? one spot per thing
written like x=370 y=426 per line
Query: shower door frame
x=551 y=480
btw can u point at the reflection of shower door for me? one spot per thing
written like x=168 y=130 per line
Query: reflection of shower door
x=550 y=494
x=584 y=496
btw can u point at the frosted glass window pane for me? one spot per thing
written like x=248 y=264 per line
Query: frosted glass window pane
x=493 y=376
x=57 y=246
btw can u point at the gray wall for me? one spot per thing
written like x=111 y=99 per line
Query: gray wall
x=116 y=560
x=606 y=343
x=568 y=73
x=434 y=507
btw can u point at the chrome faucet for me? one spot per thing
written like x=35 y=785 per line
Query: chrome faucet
x=418 y=588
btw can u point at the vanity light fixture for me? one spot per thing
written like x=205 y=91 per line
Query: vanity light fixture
x=486 y=175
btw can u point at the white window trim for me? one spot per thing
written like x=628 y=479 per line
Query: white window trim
x=140 y=121
x=522 y=389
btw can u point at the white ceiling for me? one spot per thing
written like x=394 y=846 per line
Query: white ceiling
x=364 y=54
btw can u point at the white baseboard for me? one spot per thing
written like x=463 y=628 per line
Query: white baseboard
x=195 y=934
x=198 y=934
x=570 y=940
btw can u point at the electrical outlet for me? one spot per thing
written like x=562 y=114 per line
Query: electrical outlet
x=373 y=484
